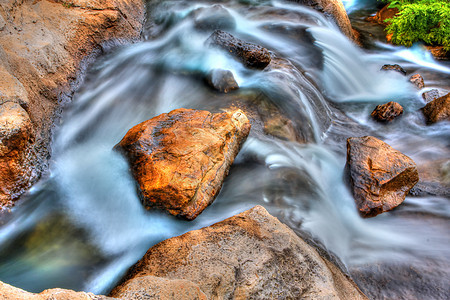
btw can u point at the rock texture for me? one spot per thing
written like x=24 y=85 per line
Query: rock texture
x=213 y=17
x=8 y=292
x=383 y=14
x=222 y=80
x=251 y=55
x=380 y=176
x=437 y=110
x=417 y=80
x=249 y=256
x=387 y=112
x=180 y=159
x=152 y=287
x=335 y=10
x=395 y=67
x=430 y=95
x=42 y=44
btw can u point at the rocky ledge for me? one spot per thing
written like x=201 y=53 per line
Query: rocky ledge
x=42 y=46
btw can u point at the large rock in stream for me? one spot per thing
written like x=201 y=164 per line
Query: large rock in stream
x=249 y=256
x=42 y=46
x=180 y=159
x=380 y=176
x=437 y=110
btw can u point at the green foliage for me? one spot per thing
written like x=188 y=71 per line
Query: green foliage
x=420 y=20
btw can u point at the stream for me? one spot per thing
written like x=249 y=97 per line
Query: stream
x=82 y=226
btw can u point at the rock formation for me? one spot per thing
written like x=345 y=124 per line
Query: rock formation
x=380 y=176
x=395 y=67
x=222 y=80
x=430 y=95
x=42 y=44
x=251 y=55
x=387 y=112
x=180 y=159
x=437 y=110
x=417 y=80
x=249 y=256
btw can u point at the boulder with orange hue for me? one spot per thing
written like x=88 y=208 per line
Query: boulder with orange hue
x=380 y=176
x=249 y=256
x=383 y=14
x=180 y=159
x=387 y=112
x=437 y=110
x=417 y=80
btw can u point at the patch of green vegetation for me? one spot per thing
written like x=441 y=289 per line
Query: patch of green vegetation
x=425 y=21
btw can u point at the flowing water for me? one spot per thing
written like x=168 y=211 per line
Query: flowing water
x=83 y=225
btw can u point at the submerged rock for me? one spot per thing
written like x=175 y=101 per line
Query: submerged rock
x=417 y=80
x=251 y=55
x=387 y=112
x=380 y=176
x=430 y=95
x=395 y=67
x=8 y=292
x=213 y=17
x=222 y=80
x=437 y=110
x=249 y=256
x=180 y=159
x=16 y=136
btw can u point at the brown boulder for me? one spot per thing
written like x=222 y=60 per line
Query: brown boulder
x=249 y=256
x=430 y=95
x=417 y=80
x=383 y=14
x=251 y=55
x=387 y=112
x=180 y=159
x=15 y=138
x=42 y=45
x=380 y=176
x=395 y=67
x=8 y=292
x=222 y=80
x=437 y=110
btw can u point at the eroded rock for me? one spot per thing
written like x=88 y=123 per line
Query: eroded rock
x=180 y=159
x=387 y=112
x=251 y=55
x=380 y=176
x=249 y=256
x=222 y=80
x=437 y=110
x=395 y=67
x=417 y=80
x=430 y=95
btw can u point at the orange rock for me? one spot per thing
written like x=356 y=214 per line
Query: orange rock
x=387 y=112
x=417 y=80
x=249 y=256
x=384 y=14
x=180 y=159
x=437 y=110
x=380 y=176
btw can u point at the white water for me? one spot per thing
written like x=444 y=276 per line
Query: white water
x=301 y=184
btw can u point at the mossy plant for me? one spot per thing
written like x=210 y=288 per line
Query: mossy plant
x=425 y=21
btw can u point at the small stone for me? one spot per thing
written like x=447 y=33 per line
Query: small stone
x=430 y=95
x=380 y=176
x=394 y=68
x=437 y=110
x=251 y=55
x=387 y=112
x=222 y=80
x=417 y=80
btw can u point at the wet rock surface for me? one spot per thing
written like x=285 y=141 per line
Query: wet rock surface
x=180 y=159
x=249 y=256
x=417 y=80
x=42 y=45
x=387 y=112
x=16 y=136
x=434 y=179
x=383 y=14
x=213 y=17
x=251 y=55
x=8 y=292
x=380 y=176
x=222 y=80
x=395 y=67
x=430 y=95
x=437 y=110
